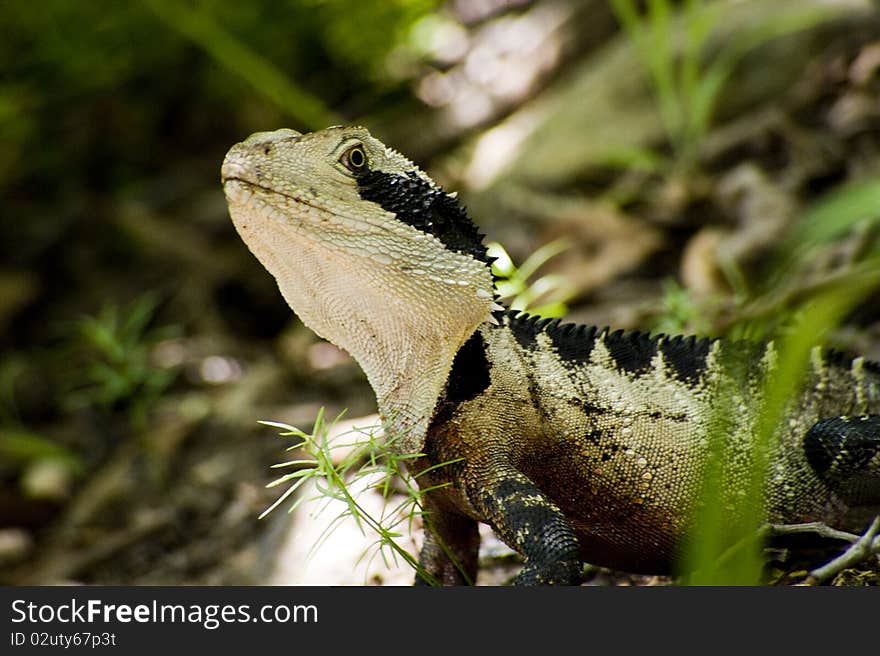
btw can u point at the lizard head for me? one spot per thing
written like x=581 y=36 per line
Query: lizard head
x=369 y=252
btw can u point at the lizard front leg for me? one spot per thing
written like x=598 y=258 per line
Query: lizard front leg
x=451 y=547
x=527 y=521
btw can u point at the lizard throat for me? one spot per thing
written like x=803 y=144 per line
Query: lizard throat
x=355 y=284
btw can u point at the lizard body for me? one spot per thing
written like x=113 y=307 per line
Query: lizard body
x=573 y=443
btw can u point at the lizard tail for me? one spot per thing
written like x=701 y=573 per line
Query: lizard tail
x=845 y=453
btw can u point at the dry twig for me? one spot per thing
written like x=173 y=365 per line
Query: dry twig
x=861 y=547
x=859 y=551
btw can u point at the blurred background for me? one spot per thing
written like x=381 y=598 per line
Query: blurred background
x=691 y=166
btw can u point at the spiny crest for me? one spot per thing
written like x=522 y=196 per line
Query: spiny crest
x=843 y=360
x=633 y=351
x=686 y=357
x=526 y=327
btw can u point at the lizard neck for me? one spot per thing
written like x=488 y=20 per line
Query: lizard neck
x=406 y=354
x=371 y=254
x=403 y=333
x=408 y=381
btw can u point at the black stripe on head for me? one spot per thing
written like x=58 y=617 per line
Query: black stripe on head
x=413 y=200
x=686 y=357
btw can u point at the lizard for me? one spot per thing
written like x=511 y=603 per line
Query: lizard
x=574 y=443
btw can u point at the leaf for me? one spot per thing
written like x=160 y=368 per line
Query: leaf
x=24 y=446
x=839 y=211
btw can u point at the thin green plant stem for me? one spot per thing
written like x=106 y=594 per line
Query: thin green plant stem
x=366 y=458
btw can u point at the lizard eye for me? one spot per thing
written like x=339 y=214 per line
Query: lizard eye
x=354 y=159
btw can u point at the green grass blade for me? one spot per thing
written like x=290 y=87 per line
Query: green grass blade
x=198 y=26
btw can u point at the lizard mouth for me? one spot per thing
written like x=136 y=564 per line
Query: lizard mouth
x=234 y=185
x=242 y=191
x=240 y=181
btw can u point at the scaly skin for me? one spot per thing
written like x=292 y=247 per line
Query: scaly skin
x=572 y=443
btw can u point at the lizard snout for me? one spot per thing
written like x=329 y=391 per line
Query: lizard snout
x=238 y=163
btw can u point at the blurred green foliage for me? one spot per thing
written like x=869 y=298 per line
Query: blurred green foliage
x=671 y=41
x=363 y=36
x=724 y=548
x=520 y=288
x=850 y=206
x=95 y=97
x=21 y=448
x=112 y=364
x=114 y=118
x=681 y=313
x=107 y=105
